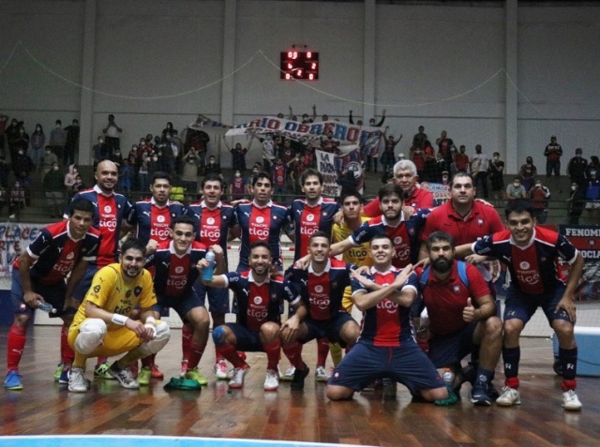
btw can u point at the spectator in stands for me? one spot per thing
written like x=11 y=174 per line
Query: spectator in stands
x=48 y=160
x=191 y=162
x=22 y=166
x=53 y=189
x=169 y=153
x=440 y=166
x=36 y=144
x=238 y=154
x=213 y=167
x=347 y=181
x=58 y=139
x=17 y=199
x=11 y=133
x=72 y=143
x=445 y=146
x=4 y=172
x=480 y=163
x=417 y=155
x=461 y=161
x=576 y=167
x=194 y=136
x=528 y=172
x=113 y=134
x=539 y=195
x=237 y=186
x=78 y=186
x=142 y=174
x=169 y=130
x=295 y=168
x=553 y=152
x=576 y=202
x=388 y=158
x=153 y=165
x=99 y=151
x=126 y=176
x=268 y=151
x=21 y=140
x=279 y=176
x=496 y=176
x=69 y=179
x=516 y=190
x=592 y=193
x=3 y=121
x=594 y=165
x=419 y=139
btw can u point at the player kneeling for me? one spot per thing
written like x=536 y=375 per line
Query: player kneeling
x=102 y=326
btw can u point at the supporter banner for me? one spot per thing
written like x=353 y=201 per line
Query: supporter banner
x=14 y=240
x=367 y=138
x=441 y=192
x=332 y=166
x=587 y=240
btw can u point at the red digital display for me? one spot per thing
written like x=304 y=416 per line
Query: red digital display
x=299 y=65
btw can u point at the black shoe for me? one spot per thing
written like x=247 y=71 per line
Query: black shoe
x=298 y=380
x=480 y=397
x=493 y=392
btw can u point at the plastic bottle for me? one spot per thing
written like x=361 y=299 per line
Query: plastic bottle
x=46 y=307
x=448 y=377
x=207 y=272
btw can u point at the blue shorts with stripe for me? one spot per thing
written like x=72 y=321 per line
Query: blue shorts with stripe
x=246 y=340
x=523 y=305
x=330 y=329
x=406 y=364
x=218 y=299
x=53 y=294
x=448 y=349
x=181 y=304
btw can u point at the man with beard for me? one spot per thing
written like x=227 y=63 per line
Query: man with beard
x=102 y=326
x=462 y=314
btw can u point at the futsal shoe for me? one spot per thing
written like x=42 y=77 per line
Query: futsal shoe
x=156 y=373
x=298 y=380
x=480 y=397
x=321 y=374
x=221 y=369
x=124 y=377
x=13 y=380
x=144 y=376
x=101 y=372
x=194 y=374
x=77 y=381
x=271 y=380
x=510 y=396
x=58 y=371
x=288 y=376
x=237 y=381
x=64 y=375
x=571 y=401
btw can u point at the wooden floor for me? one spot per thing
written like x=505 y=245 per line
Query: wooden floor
x=381 y=418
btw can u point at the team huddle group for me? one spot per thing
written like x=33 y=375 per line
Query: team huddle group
x=422 y=277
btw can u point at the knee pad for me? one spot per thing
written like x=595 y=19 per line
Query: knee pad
x=219 y=336
x=160 y=340
x=91 y=334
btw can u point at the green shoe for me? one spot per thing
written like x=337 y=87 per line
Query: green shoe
x=101 y=372
x=144 y=376
x=194 y=374
x=58 y=372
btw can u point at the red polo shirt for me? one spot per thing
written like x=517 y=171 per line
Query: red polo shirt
x=420 y=198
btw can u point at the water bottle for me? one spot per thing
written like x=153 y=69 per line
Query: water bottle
x=448 y=378
x=46 y=307
x=207 y=272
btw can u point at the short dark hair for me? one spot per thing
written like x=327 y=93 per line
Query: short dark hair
x=389 y=189
x=133 y=244
x=462 y=174
x=382 y=236
x=311 y=172
x=317 y=234
x=259 y=175
x=212 y=178
x=161 y=175
x=519 y=206
x=81 y=204
x=347 y=194
x=440 y=236
x=183 y=219
x=263 y=244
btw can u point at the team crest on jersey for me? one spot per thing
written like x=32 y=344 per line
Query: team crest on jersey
x=70 y=256
x=411 y=231
x=22 y=307
x=137 y=291
x=480 y=222
x=179 y=269
x=324 y=213
x=456 y=288
x=260 y=219
x=310 y=217
x=258 y=300
x=160 y=219
x=319 y=289
x=210 y=220
x=274 y=218
x=107 y=209
x=397 y=240
x=97 y=288
x=524 y=265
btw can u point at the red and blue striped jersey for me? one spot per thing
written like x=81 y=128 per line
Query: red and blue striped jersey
x=153 y=221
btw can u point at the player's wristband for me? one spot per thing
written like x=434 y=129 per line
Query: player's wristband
x=119 y=319
x=151 y=320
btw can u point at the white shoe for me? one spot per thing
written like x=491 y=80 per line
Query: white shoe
x=272 y=380
x=77 y=381
x=221 y=369
x=509 y=397
x=321 y=374
x=571 y=401
x=237 y=381
x=288 y=376
x=124 y=377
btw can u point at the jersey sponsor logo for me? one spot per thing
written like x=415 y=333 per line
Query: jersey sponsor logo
x=63 y=267
x=160 y=233
x=177 y=282
x=213 y=235
x=110 y=225
x=388 y=306
x=308 y=231
x=261 y=233
x=137 y=291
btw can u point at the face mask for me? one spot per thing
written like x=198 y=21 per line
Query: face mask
x=578 y=155
x=37 y=129
x=445 y=179
x=462 y=151
x=117 y=152
x=20 y=152
x=55 y=168
x=47 y=152
x=74 y=171
x=573 y=188
x=529 y=161
x=254 y=172
x=593 y=173
x=516 y=185
x=101 y=141
x=154 y=158
x=538 y=185
x=212 y=162
x=58 y=126
x=17 y=185
x=496 y=158
x=237 y=174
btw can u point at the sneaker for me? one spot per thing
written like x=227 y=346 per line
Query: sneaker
x=144 y=376
x=221 y=369
x=194 y=374
x=237 y=381
x=184 y=368
x=480 y=397
x=64 y=375
x=156 y=373
x=510 y=396
x=571 y=401
x=320 y=374
x=13 y=380
x=493 y=392
x=124 y=377
x=272 y=380
x=279 y=374
x=288 y=376
x=298 y=380
x=77 y=381
x=58 y=372
x=101 y=372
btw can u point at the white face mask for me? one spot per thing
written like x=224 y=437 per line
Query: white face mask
x=573 y=188
x=516 y=185
x=55 y=168
x=496 y=158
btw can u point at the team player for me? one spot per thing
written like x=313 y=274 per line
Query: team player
x=102 y=326
x=260 y=220
x=306 y=216
x=386 y=347
x=405 y=176
x=110 y=211
x=322 y=287
x=258 y=295
x=175 y=271
x=152 y=219
x=38 y=276
x=462 y=314
x=215 y=222
x=531 y=255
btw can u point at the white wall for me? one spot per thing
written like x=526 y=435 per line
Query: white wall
x=423 y=54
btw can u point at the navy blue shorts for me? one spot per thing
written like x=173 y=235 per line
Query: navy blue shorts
x=327 y=328
x=448 y=349
x=406 y=364
x=522 y=305
x=218 y=299
x=53 y=294
x=84 y=285
x=246 y=340
x=181 y=304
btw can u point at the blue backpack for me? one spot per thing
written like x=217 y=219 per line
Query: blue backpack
x=462 y=274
